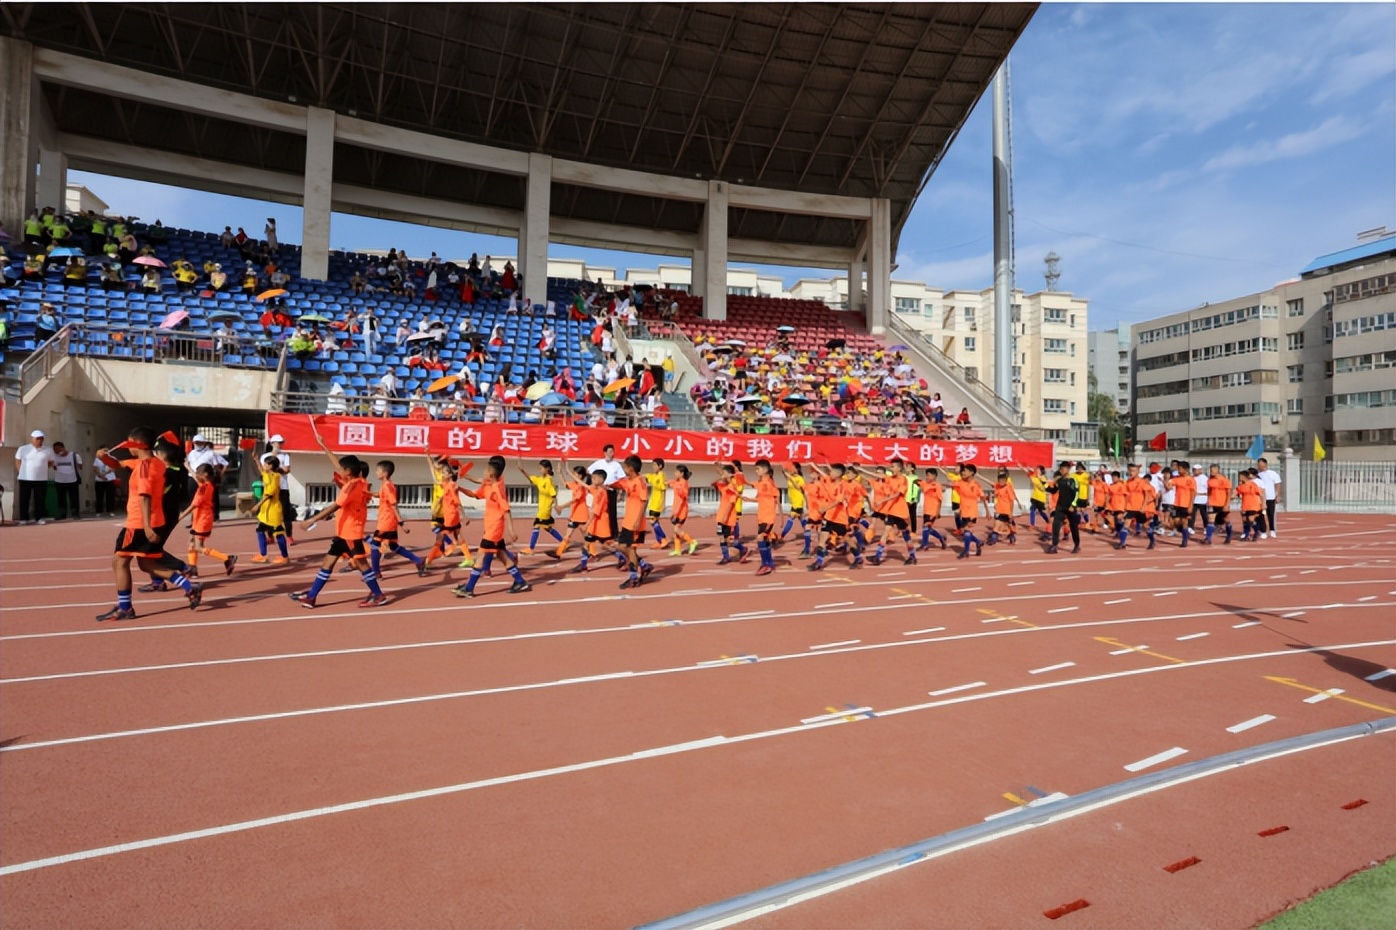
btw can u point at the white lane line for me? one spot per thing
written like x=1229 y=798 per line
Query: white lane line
x=679 y=747
x=1155 y=759
x=1378 y=676
x=768 y=584
x=1191 y=636
x=1165 y=593
x=750 y=613
x=1050 y=668
x=1035 y=802
x=1274 y=577
x=834 y=604
x=1019 y=584
x=1119 y=600
x=1248 y=724
x=934 y=629
x=901 y=597
x=1242 y=626
x=963 y=590
x=1246 y=581
x=1062 y=610
x=1309 y=571
x=890 y=574
x=1292 y=614
x=1068 y=577
x=1370 y=597
x=837 y=717
x=1324 y=695
x=973 y=684
x=842 y=642
x=993 y=620
x=1125 y=652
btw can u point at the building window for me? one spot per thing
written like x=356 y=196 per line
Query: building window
x=1073 y=321
x=1053 y=405
x=1073 y=408
x=739 y=291
x=1296 y=373
x=1296 y=341
x=969 y=314
x=1295 y=405
x=1055 y=315
x=1055 y=346
x=1073 y=379
x=970 y=343
x=1054 y=375
x=908 y=305
x=1073 y=350
x=1296 y=307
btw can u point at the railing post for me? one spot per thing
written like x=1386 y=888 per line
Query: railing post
x=1290 y=479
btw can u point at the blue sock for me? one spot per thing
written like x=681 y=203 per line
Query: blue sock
x=475 y=574
x=586 y=556
x=123 y=599
x=533 y=540
x=906 y=538
x=375 y=554
x=555 y=534
x=969 y=537
x=261 y=542
x=281 y=546
x=935 y=533
x=486 y=561
x=517 y=575
x=808 y=540
x=1210 y=530
x=1123 y=534
x=181 y=581
x=993 y=537
x=1149 y=530
x=726 y=553
x=765 y=549
x=659 y=535
x=1228 y=531
x=370 y=578
x=741 y=549
x=1032 y=518
x=322 y=578
x=789 y=524
x=407 y=554
x=737 y=529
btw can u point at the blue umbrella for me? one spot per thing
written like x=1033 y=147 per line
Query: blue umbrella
x=65 y=252
x=554 y=399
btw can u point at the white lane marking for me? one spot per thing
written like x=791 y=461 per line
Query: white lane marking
x=750 y=613
x=1309 y=571
x=1370 y=597
x=835 y=604
x=1035 y=802
x=1191 y=636
x=1248 y=724
x=1050 y=668
x=843 y=642
x=1019 y=584
x=1246 y=581
x=679 y=747
x=1165 y=593
x=765 y=585
x=993 y=620
x=294 y=816
x=1324 y=695
x=838 y=716
x=1125 y=652
x=1292 y=614
x=1068 y=577
x=1155 y=759
x=1061 y=610
x=973 y=684
x=890 y=574
x=1242 y=626
x=1119 y=600
x=934 y=629
x=901 y=597
x=1378 y=676
x=963 y=590
x=1274 y=577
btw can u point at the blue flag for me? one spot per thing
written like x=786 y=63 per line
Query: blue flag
x=1257 y=448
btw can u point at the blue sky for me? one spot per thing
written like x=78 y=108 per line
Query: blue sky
x=1171 y=154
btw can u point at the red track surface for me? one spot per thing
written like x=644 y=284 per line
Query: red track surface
x=547 y=819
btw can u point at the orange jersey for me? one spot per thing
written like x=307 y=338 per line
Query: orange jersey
x=201 y=517
x=1137 y=492
x=578 y=513
x=895 y=487
x=637 y=495
x=147 y=480
x=353 y=509
x=1100 y=491
x=728 y=491
x=491 y=491
x=1219 y=491
x=680 y=489
x=1252 y=496
x=971 y=493
x=767 y=501
x=1184 y=492
x=932 y=498
x=1117 y=496
x=387 y=508
x=1150 y=499
x=450 y=503
x=817 y=498
x=1004 y=499
x=836 y=505
x=856 y=496
x=599 y=523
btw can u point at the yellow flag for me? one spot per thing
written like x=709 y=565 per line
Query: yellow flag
x=1319 y=454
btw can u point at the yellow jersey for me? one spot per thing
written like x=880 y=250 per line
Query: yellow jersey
x=657 y=488
x=547 y=494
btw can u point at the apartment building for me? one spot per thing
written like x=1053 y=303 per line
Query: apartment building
x=1313 y=356
x=1108 y=358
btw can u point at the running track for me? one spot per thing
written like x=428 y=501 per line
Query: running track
x=578 y=757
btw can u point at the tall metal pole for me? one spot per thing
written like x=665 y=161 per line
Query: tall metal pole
x=1003 y=242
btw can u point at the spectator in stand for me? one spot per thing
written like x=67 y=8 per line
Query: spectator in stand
x=301 y=345
x=335 y=404
x=34 y=268
x=487 y=273
x=217 y=278
x=473 y=268
x=279 y=277
x=33 y=229
x=400 y=338
x=507 y=281
x=128 y=248
x=241 y=241
x=185 y=275
x=369 y=326
x=270 y=232
x=936 y=408
x=358 y=283
x=45 y=324
x=380 y=402
x=249 y=279
x=227 y=240
x=151 y=282
x=75 y=272
x=963 y=418
x=388 y=383
x=227 y=339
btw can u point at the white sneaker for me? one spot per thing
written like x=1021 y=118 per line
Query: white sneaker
x=1272 y=534
x=40 y=522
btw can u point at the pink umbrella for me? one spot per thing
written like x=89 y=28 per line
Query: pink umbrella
x=174 y=319
x=150 y=260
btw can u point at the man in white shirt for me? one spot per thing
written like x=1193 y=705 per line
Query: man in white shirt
x=389 y=383
x=67 y=475
x=614 y=473
x=33 y=463
x=104 y=484
x=1269 y=480
x=203 y=453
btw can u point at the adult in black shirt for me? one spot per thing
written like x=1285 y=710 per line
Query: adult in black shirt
x=1064 y=510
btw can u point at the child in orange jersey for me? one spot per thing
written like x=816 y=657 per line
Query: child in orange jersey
x=498 y=530
x=598 y=527
x=932 y=499
x=350 y=509
x=1219 y=503
x=579 y=512
x=729 y=489
x=767 y=510
x=890 y=501
x=1100 y=496
x=1252 y=496
x=201 y=522
x=1005 y=505
x=389 y=523
x=1184 y=492
x=635 y=489
x=451 y=518
x=1116 y=497
x=831 y=490
x=679 y=517
x=971 y=500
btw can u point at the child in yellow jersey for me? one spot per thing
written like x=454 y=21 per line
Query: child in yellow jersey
x=270 y=519
x=1038 y=501
x=795 y=493
x=655 y=505
x=547 y=506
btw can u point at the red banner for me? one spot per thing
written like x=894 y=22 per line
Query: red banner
x=481 y=440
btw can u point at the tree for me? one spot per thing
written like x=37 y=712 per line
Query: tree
x=1100 y=408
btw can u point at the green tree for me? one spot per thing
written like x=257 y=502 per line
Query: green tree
x=1100 y=407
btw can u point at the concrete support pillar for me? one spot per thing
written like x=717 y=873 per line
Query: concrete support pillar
x=715 y=252
x=533 y=236
x=18 y=142
x=1291 y=480
x=855 y=284
x=698 y=272
x=879 y=265
x=51 y=186
x=319 y=193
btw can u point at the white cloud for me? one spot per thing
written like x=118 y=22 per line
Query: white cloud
x=1349 y=74
x=1333 y=131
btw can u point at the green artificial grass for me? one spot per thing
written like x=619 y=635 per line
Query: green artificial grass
x=1366 y=901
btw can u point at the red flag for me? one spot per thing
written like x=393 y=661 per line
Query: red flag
x=1159 y=443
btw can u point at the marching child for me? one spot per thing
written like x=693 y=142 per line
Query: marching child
x=270 y=517
x=200 y=510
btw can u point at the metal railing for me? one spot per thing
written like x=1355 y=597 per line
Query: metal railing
x=670 y=332
x=922 y=343
x=1347 y=487
x=44 y=360
x=156 y=346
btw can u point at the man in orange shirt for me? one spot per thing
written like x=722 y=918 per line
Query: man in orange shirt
x=1219 y=501
x=390 y=523
x=597 y=531
x=971 y=500
x=635 y=488
x=350 y=509
x=932 y=498
x=141 y=538
x=767 y=509
x=498 y=532
x=1252 y=496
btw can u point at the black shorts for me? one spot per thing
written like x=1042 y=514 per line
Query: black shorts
x=545 y=522
x=1220 y=512
x=1251 y=513
x=655 y=515
x=1039 y=506
x=492 y=545
x=879 y=515
x=596 y=539
x=764 y=529
x=835 y=529
x=631 y=538
x=385 y=535
x=201 y=537
x=797 y=511
x=573 y=524
x=1004 y=517
x=452 y=530
x=1136 y=515
x=269 y=530
x=897 y=523
x=1180 y=513
x=353 y=548
x=135 y=544
x=724 y=531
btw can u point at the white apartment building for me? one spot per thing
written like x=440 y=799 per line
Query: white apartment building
x=1314 y=356
x=1049 y=341
x=1108 y=357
